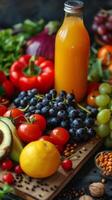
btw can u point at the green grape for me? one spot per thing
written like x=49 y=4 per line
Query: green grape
x=101 y=108
x=103 y=130
x=110 y=124
x=108 y=142
x=110 y=105
x=102 y=100
x=103 y=116
x=105 y=88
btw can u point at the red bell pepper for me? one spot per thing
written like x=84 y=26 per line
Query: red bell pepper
x=28 y=73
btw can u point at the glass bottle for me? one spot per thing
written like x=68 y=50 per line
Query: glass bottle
x=72 y=48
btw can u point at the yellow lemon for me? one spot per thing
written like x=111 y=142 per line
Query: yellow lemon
x=40 y=159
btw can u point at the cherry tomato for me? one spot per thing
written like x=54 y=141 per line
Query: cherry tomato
x=91 y=98
x=3 y=109
x=50 y=139
x=8 y=178
x=17 y=115
x=7 y=165
x=91 y=86
x=18 y=169
x=67 y=164
x=40 y=120
x=60 y=136
x=29 y=132
x=105 y=54
x=47 y=138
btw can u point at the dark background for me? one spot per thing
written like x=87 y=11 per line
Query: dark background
x=14 y=11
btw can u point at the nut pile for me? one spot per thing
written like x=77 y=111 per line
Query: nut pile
x=104 y=161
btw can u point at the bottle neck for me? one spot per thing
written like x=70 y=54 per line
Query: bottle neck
x=75 y=15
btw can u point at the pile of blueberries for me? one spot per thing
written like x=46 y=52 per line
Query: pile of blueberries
x=59 y=110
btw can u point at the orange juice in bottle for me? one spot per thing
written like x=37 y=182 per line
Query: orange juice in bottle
x=72 y=51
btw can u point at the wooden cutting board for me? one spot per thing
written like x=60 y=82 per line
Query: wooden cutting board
x=46 y=189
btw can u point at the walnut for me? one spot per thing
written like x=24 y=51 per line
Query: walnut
x=97 y=189
x=85 y=197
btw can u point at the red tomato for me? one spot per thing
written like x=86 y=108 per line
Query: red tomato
x=47 y=138
x=7 y=165
x=40 y=120
x=18 y=169
x=3 y=109
x=66 y=164
x=91 y=98
x=17 y=115
x=8 y=178
x=91 y=86
x=29 y=132
x=60 y=136
x=50 y=139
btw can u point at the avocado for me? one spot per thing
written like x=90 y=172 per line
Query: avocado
x=5 y=140
x=16 y=144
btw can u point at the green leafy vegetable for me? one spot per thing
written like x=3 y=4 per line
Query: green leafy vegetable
x=12 y=42
x=96 y=71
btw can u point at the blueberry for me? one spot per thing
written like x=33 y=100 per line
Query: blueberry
x=77 y=123
x=45 y=102
x=61 y=114
x=48 y=96
x=53 y=93
x=82 y=115
x=64 y=124
x=73 y=113
x=37 y=111
x=89 y=122
x=71 y=131
x=91 y=132
x=23 y=103
x=52 y=121
x=34 y=91
x=69 y=108
x=59 y=99
x=52 y=112
x=94 y=112
x=22 y=94
x=81 y=134
x=17 y=102
x=31 y=108
x=70 y=97
x=33 y=101
x=55 y=105
x=45 y=110
x=61 y=105
x=63 y=94
x=39 y=105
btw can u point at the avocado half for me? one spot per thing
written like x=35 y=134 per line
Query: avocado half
x=5 y=140
x=17 y=146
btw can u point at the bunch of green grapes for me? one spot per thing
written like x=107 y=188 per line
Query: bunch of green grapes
x=104 y=116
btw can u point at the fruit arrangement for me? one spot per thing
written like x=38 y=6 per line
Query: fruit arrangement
x=37 y=123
